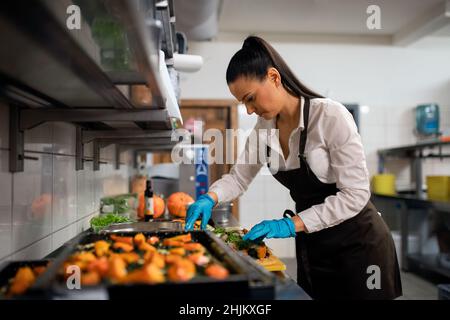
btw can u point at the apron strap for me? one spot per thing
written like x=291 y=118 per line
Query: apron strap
x=304 y=133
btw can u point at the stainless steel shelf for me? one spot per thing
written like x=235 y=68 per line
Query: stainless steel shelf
x=410 y=150
x=416 y=153
x=51 y=73
x=428 y=262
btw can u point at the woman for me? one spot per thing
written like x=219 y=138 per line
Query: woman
x=344 y=248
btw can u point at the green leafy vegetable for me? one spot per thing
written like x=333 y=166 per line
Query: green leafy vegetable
x=102 y=221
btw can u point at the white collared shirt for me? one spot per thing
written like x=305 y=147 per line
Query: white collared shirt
x=334 y=153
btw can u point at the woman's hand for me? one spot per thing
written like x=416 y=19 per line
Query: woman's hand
x=200 y=208
x=283 y=228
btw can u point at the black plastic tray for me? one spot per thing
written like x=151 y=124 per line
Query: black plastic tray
x=9 y=269
x=244 y=282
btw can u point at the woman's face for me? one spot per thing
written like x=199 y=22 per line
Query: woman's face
x=262 y=97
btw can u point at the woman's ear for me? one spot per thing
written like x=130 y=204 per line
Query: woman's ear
x=274 y=76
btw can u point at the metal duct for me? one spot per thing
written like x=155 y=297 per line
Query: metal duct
x=198 y=19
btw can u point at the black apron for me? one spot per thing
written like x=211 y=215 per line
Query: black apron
x=334 y=263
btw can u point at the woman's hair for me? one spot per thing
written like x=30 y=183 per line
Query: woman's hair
x=254 y=59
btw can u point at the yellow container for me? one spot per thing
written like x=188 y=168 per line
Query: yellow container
x=384 y=184
x=438 y=188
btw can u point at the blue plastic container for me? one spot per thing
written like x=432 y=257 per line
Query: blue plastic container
x=427 y=119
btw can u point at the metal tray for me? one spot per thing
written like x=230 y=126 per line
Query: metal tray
x=246 y=281
x=150 y=226
x=9 y=269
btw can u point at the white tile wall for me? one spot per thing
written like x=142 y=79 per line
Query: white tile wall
x=37 y=250
x=63 y=235
x=32 y=201
x=64 y=135
x=64 y=192
x=50 y=202
x=85 y=191
x=5 y=205
x=39 y=138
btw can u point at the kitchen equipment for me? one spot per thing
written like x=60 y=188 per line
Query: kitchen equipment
x=427 y=119
x=384 y=184
x=150 y=226
x=221 y=213
x=438 y=188
x=246 y=280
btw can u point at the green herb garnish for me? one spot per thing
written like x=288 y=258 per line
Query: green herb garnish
x=102 y=221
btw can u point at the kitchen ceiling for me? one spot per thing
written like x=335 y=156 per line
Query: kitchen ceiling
x=318 y=16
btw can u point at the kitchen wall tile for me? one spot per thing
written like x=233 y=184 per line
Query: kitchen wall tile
x=373 y=135
x=445 y=117
x=250 y=213
x=32 y=201
x=85 y=191
x=5 y=260
x=398 y=136
x=372 y=116
x=108 y=153
x=35 y=251
x=62 y=236
x=39 y=138
x=89 y=150
x=84 y=224
x=275 y=209
x=4 y=126
x=279 y=247
x=64 y=191
x=5 y=205
x=113 y=182
x=399 y=115
x=64 y=138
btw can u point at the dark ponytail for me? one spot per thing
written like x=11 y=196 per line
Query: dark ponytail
x=254 y=59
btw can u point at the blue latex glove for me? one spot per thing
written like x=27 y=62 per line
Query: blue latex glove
x=283 y=228
x=200 y=208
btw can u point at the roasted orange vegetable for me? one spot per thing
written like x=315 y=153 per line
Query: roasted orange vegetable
x=194 y=246
x=172 y=258
x=153 y=240
x=101 y=248
x=123 y=246
x=84 y=256
x=129 y=257
x=39 y=270
x=90 y=278
x=117 y=268
x=178 y=251
x=100 y=266
x=182 y=237
x=181 y=270
x=216 y=271
x=147 y=247
x=158 y=260
x=127 y=240
x=198 y=258
x=261 y=251
x=150 y=273
x=172 y=243
x=22 y=281
x=139 y=239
